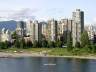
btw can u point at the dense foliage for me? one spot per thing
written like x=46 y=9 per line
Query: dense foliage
x=85 y=45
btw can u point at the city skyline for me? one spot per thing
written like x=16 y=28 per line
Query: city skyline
x=42 y=10
x=63 y=30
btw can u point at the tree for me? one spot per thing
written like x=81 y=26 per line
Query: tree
x=94 y=41
x=3 y=45
x=17 y=43
x=51 y=44
x=14 y=35
x=84 y=39
x=59 y=43
x=44 y=43
x=69 y=41
x=22 y=43
x=39 y=44
x=77 y=45
x=35 y=44
x=16 y=38
x=29 y=44
x=65 y=36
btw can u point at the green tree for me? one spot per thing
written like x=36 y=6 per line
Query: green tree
x=16 y=38
x=44 y=43
x=14 y=35
x=22 y=43
x=69 y=41
x=17 y=42
x=35 y=44
x=3 y=45
x=77 y=45
x=84 y=39
x=29 y=44
x=51 y=44
x=39 y=44
x=59 y=43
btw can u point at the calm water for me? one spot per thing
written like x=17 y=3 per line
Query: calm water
x=46 y=65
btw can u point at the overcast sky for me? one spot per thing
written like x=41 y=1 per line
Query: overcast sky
x=45 y=9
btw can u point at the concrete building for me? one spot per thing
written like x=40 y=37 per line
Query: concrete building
x=28 y=27
x=44 y=30
x=70 y=21
x=91 y=31
x=5 y=35
x=78 y=25
x=33 y=29
x=21 y=28
x=64 y=26
x=52 y=30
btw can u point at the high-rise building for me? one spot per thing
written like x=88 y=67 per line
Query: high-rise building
x=33 y=29
x=78 y=25
x=64 y=26
x=52 y=30
x=91 y=31
x=44 y=30
x=70 y=21
x=37 y=31
x=21 y=28
x=28 y=27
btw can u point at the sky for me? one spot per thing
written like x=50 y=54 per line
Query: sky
x=47 y=9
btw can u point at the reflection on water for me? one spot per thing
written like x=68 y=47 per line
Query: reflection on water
x=36 y=64
x=79 y=65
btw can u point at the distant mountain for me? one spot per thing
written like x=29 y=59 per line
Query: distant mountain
x=11 y=25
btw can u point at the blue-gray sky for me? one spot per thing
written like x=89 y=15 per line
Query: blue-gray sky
x=44 y=9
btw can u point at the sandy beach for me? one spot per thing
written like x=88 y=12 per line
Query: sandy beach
x=24 y=54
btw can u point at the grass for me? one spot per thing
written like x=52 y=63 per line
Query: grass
x=59 y=52
x=74 y=51
x=53 y=51
x=11 y=50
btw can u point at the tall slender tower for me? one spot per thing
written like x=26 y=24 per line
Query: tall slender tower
x=52 y=30
x=78 y=25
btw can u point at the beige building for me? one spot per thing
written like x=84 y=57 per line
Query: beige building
x=52 y=30
x=33 y=29
x=44 y=30
x=91 y=31
x=78 y=25
x=64 y=26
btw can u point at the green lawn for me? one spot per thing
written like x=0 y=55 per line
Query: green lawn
x=75 y=51
x=59 y=52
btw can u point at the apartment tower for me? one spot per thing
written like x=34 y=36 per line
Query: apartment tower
x=78 y=25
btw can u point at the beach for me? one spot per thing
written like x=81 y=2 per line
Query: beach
x=34 y=54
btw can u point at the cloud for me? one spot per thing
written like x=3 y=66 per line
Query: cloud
x=94 y=20
x=18 y=14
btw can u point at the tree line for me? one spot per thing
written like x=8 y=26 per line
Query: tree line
x=19 y=42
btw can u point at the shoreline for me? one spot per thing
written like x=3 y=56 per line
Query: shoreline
x=17 y=55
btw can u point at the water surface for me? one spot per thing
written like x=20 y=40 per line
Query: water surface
x=41 y=64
